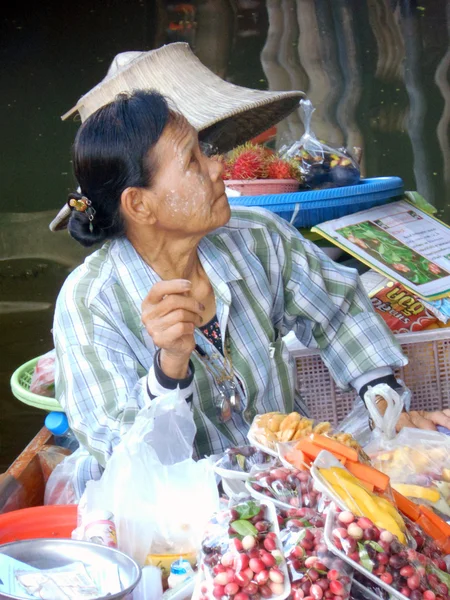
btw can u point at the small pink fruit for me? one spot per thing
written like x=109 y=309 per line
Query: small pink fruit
x=316 y=592
x=250 y=589
x=386 y=536
x=237 y=544
x=241 y=579
x=346 y=517
x=227 y=559
x=218 y=591
x=262 y=577
x=387 y=578
x=231 y=589
x=337 y=588
x=256 y=565
x=276 y=575
x=311 y=561
x=413 y=582
x=355 y=531
x=241 y=596
x=429 y=595
x=248 y=542
x=268 y=559
x=241 y=562
x=364 y=523
x=248 y=573
x=265 y=591
x=269 y=544
x=221 y=579
x=276 y=588
x=218 y=569
x=333 y=574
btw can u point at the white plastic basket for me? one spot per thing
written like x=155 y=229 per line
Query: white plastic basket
x=427 y=375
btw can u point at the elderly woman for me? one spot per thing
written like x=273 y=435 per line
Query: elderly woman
x=188 y=292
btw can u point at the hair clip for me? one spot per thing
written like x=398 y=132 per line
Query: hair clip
x=83 y=204
x=80 y=204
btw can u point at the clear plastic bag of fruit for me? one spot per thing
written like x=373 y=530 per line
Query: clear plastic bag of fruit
x=313 y=569
x=380 y=556
x=241 y=554
x=364 y=498
x=416 y=460
x=286 y=487
x=43 y=378
x=271 y=429
x=320 y=166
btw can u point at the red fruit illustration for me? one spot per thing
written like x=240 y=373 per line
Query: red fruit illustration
x=401 y=267
x=434 y=269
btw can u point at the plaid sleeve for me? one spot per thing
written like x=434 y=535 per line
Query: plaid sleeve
x=99 y=382
x=328 y=308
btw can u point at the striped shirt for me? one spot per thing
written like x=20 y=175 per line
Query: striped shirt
x=267 y=279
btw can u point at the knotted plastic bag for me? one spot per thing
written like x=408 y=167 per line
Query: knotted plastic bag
x=161 y=498
x=319 y=166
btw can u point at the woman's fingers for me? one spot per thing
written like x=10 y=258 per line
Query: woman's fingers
x=164 y=288
x=439 y=417
x=421 y=420
x=404 y=421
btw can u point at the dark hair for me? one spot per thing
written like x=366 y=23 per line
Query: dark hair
x=111 y=153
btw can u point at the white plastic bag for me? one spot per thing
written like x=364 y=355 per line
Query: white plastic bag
x=61 y=487
x=357 y=421
x=161 y=498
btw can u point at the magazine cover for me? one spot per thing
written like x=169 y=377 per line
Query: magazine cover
x=401 y=242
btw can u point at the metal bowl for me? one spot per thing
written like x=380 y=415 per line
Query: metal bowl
x=52 y=553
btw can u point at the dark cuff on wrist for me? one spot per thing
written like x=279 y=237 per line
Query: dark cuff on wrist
x=388 y=380
x=168 y=382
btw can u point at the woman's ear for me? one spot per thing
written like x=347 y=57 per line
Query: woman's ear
x=136 y=205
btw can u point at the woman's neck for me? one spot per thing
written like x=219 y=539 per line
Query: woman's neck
x=170 y=258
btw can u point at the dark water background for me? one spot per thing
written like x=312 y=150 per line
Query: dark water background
x=377 y=72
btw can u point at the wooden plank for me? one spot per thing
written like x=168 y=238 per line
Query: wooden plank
x=23 y=484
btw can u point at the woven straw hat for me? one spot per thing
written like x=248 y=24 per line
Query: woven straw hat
x=224 y=114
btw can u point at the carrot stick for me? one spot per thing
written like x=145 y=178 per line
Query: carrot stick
x=334 y=447
x=406 y=506
x=369 y=475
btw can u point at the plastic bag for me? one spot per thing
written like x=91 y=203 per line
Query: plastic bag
x=320 y=166
x=356 y=422
x=61 y=487
x=161 y=498
x=270 y=429
x=380 y=556
x=313 y=569
x=241 y=553
x=286 y=487
x=417 y=461
x=371 y=500
x=43 y=378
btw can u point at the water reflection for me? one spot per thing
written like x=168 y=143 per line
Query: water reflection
x=377 y=72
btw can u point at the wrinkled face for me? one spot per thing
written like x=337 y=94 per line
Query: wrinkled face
x=188 y=185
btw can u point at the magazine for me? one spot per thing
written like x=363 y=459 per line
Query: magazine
x=400 y=241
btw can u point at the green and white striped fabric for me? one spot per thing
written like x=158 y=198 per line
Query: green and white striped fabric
x=268 y=281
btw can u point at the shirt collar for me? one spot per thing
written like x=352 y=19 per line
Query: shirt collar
x=137 y=277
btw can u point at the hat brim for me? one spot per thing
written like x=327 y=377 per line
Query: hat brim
x=224 y=114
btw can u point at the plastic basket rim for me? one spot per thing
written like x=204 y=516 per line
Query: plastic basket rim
x=27 y=397
x=372 y=185
x=413 y=337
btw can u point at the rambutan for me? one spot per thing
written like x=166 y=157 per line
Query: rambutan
x=248 y=161
x=277 y=168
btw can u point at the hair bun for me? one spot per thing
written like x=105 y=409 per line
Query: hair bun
x=84 y=231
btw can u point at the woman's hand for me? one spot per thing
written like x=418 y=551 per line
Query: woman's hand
x=418 y=419
x=422 y=419
x=170 y=316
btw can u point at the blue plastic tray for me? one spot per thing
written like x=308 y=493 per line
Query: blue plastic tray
x=312 y=208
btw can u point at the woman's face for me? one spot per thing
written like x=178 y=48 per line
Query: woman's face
x=188 y=186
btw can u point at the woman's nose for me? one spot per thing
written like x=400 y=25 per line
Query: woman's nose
x=216 y=168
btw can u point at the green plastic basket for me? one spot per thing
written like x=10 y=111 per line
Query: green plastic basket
x=20 y=387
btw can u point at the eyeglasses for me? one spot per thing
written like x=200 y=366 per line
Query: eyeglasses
x=208 y=149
